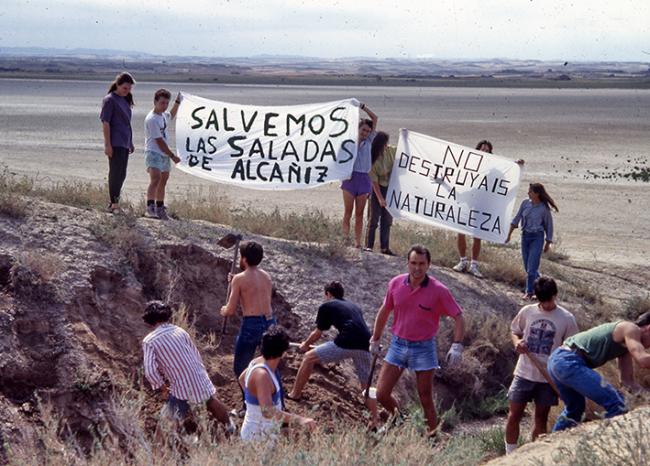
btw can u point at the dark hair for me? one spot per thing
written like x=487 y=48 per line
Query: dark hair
x=378 y=145
x=643 y=319
x=275 y=342
x=335 y=289
x=162 y=94
x=157 y=312
x=538 y=188
x=252 y=252
x=487 y=143
x=545 y=288
x=365 y=121
x=419 y=249
x=119 y=80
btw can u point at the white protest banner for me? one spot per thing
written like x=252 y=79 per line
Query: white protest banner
x=274 y=147
x=451 y=186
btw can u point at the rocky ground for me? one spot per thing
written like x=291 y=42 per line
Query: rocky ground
x=73 y=284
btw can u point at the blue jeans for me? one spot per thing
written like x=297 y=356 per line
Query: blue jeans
x=249 y=338
x=532 y=245
x=575 y=381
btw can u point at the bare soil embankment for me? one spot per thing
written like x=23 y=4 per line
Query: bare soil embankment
x=73 y=283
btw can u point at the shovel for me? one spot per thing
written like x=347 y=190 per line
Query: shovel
x=298 y=345
x=228 y=242
x=542 y=370
x=372 y=372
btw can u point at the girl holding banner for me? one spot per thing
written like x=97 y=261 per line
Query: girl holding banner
x=383 y=157
x=118 y=136
x=536 y=222
x=359 y=186
x=464 y=265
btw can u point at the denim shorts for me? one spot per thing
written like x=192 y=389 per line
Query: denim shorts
x=157 y=160
x=330 y=352
x=413 y=355
x=524 y=391
x=359 y=185
x=175 y=409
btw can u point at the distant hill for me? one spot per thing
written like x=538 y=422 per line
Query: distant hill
x=289 y=69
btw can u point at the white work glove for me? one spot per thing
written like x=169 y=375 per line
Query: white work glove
x=375 y=348
x=455 y=354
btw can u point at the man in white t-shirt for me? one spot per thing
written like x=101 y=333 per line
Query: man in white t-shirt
x=157 y=152
x=536 y=331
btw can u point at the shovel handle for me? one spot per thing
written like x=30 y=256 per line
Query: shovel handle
x=542 y=370
x=366 y=395
x=232 y=270
x=298 y=345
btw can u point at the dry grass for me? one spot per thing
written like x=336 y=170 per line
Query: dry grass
x=636 y=306
x=13 y=205
x=309 y=226
x=45 y=265
x=125 y=440
x=614 y=442
x=74 y=193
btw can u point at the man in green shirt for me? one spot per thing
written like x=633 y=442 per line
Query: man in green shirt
x=383 y=157
x=572 y=365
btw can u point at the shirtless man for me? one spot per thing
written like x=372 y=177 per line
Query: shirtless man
x=251 y=288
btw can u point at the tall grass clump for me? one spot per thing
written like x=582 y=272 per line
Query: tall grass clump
x=12 y=189
x=13 y=205
x=635 y=306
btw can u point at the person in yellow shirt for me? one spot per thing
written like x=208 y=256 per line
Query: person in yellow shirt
x=383 y=157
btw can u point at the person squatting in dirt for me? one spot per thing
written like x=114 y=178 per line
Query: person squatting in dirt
x=262 y=391
x=173 y=367
x=350 y=343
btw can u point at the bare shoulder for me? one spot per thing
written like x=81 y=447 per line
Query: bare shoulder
x=626 y=330
x=266 y=275
x=260 y=377
x=239 y=277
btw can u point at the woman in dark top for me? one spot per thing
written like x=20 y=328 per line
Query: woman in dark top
x=118 y=136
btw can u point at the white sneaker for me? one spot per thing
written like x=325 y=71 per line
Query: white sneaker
x=473 y=269
x=462 y=266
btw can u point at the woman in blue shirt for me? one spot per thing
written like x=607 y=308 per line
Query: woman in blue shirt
x=357 y=189
x=536 y=222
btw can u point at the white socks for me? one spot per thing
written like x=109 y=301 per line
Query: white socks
x=510 y=447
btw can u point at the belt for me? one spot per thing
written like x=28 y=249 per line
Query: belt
x=576 y=350
x=265 y=317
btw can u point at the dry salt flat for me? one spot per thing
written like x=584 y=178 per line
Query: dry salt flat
x=50 y=129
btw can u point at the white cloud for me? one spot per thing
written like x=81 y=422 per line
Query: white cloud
x=548 y=29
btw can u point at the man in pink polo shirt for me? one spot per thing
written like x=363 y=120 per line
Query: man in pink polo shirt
x=417 y=302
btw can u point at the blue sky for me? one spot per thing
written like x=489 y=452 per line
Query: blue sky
x=611 y=30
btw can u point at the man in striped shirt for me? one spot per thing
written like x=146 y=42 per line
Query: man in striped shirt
x=173 y=365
